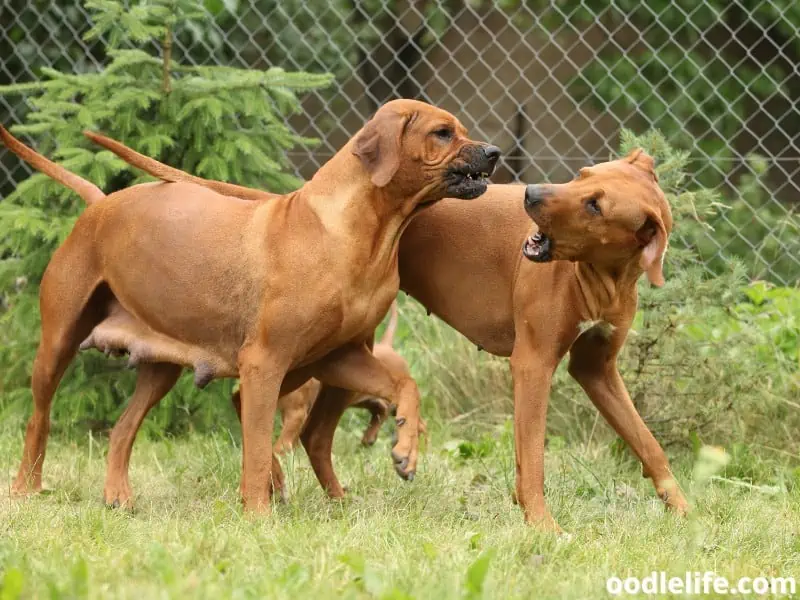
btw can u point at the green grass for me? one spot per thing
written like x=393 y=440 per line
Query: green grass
x=432 y=538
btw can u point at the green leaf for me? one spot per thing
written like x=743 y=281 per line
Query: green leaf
x=12 y=584
x=476 y=575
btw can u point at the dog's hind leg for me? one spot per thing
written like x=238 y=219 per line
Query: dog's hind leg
x=72 y=301
x=153 y=382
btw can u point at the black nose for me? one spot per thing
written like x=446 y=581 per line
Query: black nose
x=534 y=194
x=492 y=155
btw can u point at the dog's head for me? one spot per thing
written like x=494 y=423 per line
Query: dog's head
x=610 y=214
x=421 y=152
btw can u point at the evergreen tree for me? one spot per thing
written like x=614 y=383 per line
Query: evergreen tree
x=218 y=122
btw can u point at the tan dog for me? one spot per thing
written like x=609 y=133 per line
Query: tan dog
x=271 y=292
x=462 y=261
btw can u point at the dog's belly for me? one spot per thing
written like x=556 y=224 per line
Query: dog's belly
x=122 y=333
x=459 y=260
x=179 y=264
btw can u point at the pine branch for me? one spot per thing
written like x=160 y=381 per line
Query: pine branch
x=166 y=48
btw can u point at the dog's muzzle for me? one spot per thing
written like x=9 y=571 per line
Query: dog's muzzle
x=468 y=179
x=535 y=196
x=539 y=246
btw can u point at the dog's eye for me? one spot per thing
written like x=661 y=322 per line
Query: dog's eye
x=445 y=134
x=593 y=206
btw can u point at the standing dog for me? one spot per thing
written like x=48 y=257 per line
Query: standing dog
x=272 y=292
x=592 y=239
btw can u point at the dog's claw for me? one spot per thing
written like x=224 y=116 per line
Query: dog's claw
x=115 y=503
x=401 y=421
x=401 y=467
x=407 y=476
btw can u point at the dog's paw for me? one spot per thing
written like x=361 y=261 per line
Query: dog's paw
x=25 y=491
x=405 y=463
x=119 y=504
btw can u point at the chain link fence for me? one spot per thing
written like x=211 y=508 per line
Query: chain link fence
x=551 y=83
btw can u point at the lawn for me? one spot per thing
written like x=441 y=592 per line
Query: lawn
x=452 y=533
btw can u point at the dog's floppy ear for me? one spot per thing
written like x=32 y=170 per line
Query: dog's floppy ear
x=378 y=146
x=653 y=237
x=644 y=161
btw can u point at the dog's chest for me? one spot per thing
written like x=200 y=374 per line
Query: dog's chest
x=364 y=306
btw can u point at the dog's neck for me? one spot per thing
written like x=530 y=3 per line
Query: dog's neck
x=604 y=289
x=354 y=208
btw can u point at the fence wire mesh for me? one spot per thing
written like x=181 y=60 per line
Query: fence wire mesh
x=551 y=83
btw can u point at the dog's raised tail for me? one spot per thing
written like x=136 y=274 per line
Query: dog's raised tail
x=391 y=326
x=166 y=173
x=85 y=189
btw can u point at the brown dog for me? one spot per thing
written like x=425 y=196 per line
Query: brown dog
x=272 y=292
x=462 y=261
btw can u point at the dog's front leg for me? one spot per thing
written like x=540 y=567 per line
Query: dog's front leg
x=532 y=375
x=593 y=364
x=260 y=378
x=356 y=368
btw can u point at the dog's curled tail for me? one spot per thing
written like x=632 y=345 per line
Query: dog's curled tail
x=166 y=173
x=391 y=326
x=85 y=189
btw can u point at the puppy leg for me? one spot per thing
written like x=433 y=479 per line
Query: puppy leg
x=354 y=367
x=379 y=411
x=593 y=364
x=153 y=381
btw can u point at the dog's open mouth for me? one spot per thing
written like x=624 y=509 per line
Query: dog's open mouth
x=538 y=248
x=466 y=183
